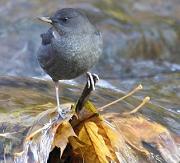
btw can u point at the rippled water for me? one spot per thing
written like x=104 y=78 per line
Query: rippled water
x=23 y=99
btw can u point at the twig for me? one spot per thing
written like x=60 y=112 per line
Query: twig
x=18 y=154
x=145 y=100
x=4 y=155
x=8 y=135
x=30 y=137
x=139 y=87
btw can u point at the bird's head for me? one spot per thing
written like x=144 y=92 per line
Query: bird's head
x=69 y=20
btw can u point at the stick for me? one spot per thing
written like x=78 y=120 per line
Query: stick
x=145 y=100
x=139 y=87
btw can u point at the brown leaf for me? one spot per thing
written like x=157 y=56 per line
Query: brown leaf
x=63 y=132
x=138 y=129
x=40 y=137
x=76 y=143
x=89 y=134
x=48 y=119
x=99 y=141
x=115 y=142
x=91 y=146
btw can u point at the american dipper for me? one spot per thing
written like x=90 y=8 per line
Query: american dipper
x=70 y=47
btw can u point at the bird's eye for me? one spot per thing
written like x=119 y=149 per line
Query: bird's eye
x=65 y=19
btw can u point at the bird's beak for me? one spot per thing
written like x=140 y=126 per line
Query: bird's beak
x=45 y=19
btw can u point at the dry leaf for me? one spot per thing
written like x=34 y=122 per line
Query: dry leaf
x=115 y=142
x=89 y=134
x=76 y=143
x=40 y=137
x=138 y=129
x=99 y=141
x=93 y=147
x=63 y=132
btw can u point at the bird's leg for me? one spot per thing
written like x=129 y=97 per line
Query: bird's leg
x=60 y=111
x=57 y=96
x=90 y=81
x=90 y=86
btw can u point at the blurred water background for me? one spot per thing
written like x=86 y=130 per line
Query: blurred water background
x=141 y=43
x=141 y=38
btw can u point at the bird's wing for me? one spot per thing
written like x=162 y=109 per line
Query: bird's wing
x=46 y=37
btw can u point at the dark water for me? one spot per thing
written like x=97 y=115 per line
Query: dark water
x=141 y=45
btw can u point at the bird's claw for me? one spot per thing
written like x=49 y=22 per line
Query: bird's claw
x=96 y=77
x=92 y=79
x=61 y=113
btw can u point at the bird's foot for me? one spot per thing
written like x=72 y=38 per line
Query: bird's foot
x=61 y=113
x=92 y=80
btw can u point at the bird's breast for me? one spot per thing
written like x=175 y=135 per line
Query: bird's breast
x=72 y=55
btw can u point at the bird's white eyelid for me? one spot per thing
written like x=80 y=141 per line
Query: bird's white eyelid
x=67 y=18
x=55 y=34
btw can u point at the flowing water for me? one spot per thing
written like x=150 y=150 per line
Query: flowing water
x=24 y=100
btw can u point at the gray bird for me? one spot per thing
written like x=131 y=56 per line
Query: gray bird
x=70 y=47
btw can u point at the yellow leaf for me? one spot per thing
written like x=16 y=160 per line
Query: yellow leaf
x=63 y=132
x=113 y=139
x=115 y=142
x=90 y=106
x=95 y=149
x=75 y=142
x=98 y=137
